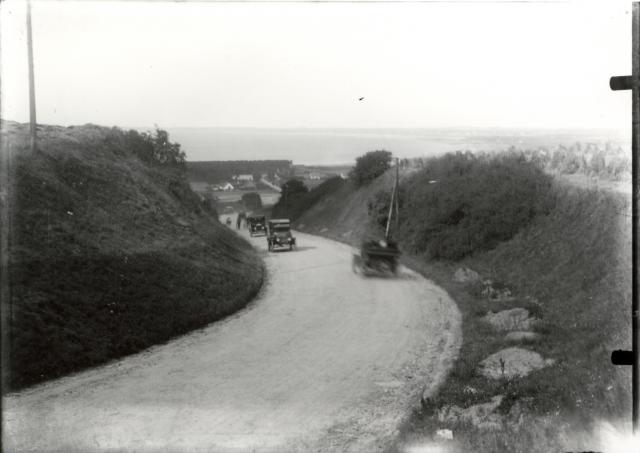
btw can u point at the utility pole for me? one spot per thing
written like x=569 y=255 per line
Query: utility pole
x=397 y=189
x=32 y=90
x=633 y=83
x=392 y=205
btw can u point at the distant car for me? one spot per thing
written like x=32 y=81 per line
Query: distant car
x=279 y=234
x=257 y=225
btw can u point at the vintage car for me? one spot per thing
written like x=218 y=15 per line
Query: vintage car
x=257 y=225
x=279 y=234
x=377 y=258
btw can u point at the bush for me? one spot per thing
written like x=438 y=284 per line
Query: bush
x=153 y=148
x=461 y=203
x=252 y=200
x=298 y=202
x=370 y=166
x=293 y=186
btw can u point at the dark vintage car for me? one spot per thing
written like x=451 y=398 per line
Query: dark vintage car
x=257 y=225
x=377 y=258
x=279 y=234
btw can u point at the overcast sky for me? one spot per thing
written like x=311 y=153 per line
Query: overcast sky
x=306 y=64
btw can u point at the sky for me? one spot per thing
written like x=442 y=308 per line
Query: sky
x=305 y=65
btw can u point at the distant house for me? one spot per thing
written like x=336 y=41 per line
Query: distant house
x=227 y=186
x=314 y=176
x=243 y=178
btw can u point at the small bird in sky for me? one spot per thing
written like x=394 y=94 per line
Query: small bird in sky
x=360 y=99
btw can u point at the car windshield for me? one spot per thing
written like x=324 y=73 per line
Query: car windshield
x=281 y=228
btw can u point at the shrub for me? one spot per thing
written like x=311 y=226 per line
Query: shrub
x=298 y=202
x=461 y=203
x=293 y=186
x=153 y=148
x=370 y=166
x=252 y=200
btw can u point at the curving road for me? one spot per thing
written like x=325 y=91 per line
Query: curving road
x=323 y=360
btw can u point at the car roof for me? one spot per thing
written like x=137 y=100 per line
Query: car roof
x=279 y=221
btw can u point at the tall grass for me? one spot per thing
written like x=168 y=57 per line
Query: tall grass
x=463 y=203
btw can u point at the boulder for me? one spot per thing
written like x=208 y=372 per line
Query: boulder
x=515 y=319
x=444 y=434
x=479 y=415
x=520 y=335
x=500 y=294
x=465 y=275
x=512 y=362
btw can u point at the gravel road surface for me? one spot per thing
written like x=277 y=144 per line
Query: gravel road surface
x=322 y=360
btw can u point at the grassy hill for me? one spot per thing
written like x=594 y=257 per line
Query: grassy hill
x=110 y=252
x=562 y=252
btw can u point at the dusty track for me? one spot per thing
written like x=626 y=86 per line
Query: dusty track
x=323 y=360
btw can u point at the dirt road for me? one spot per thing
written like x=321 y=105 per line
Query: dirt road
x=323 y=360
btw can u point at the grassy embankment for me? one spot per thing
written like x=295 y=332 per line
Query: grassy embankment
x=110 y=252
x=563 y=252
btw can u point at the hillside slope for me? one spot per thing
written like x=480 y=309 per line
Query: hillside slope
x=569 y=266
x=109 y=253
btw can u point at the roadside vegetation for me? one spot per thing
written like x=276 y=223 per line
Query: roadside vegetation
x=369 y=166
x=111 y=252
x=498 y=233
x=296 y=198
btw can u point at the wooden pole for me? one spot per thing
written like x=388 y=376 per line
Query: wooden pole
x=32 y=90
x=393 y=197
x=397 y=189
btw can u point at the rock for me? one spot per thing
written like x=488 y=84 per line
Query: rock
x=445 y=434
x=469 y=390
x=511 y=362
x=498 y=294
x=347 y=234
x=301 y=226
x=520 y=335
x=324 y=230
x=465 y=275
x=477 y=415
x=515 y=319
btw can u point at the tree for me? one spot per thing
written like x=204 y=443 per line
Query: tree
x=370 y=166
x=252 y=200
x=293 y=186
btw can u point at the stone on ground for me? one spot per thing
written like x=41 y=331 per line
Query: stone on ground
x=512 y=362
x=521 y=336
x=479 y=415
x=515 y=319
x=465 y=275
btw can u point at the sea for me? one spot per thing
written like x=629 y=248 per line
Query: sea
x=342 y=146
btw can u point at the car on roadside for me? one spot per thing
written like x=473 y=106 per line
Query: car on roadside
x=257 y=225
x=279 y=234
